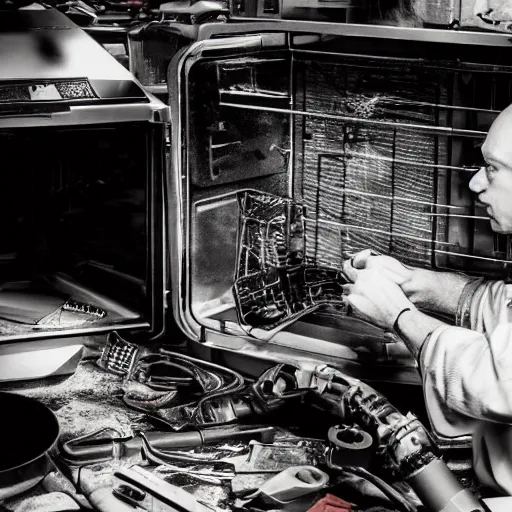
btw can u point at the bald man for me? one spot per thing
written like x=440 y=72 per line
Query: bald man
x=467 y=367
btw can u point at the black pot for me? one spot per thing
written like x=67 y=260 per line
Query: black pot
x=28 y=431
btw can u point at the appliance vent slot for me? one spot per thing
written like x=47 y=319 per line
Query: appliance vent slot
x=390 y=170
x=75 y=89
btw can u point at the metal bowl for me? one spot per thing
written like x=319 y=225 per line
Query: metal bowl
x=28 y=431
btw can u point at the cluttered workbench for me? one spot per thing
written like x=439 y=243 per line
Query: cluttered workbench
x=279 y=460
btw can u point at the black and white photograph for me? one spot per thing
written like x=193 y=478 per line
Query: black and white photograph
x=256 y=255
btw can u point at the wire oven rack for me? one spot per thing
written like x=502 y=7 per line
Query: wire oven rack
x=382 y=153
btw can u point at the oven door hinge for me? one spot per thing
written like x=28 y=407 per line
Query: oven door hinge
x=161 y=114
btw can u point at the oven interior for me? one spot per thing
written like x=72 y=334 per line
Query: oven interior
x=75 y=250
x=377 y=141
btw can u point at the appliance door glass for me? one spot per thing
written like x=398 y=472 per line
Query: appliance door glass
x=77 y=252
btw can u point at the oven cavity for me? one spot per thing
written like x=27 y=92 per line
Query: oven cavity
x=375 y=150
x=74 y=250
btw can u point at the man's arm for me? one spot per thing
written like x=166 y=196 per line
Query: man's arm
x=414 y=327
x=427 y=289
x=464 y=371
x=436 y=291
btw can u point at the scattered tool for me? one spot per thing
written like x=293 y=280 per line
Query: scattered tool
x=290 y=484
x=108 y=443
x=349 y=445
x=137 y=490
x=227 y=463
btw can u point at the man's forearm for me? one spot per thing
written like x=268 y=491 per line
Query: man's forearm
x=414 y=327
x=436 y=291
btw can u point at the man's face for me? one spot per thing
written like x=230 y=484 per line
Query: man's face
x=493 y=183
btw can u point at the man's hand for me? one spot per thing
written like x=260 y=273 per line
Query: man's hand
x=389 y=267
x=379 y=300
x=427 y=289
x=376 y=298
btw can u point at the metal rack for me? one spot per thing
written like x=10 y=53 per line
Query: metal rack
x=436 y=130
x=449 y=121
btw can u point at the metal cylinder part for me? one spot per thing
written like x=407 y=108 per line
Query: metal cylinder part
x=440 y=491
x=350 y=446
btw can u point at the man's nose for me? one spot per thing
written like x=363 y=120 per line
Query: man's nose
x=479 y=181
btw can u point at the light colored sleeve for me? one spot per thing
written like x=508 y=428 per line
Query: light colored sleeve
x=468 y=376
x=484 y=305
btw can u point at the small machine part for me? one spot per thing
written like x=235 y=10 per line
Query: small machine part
x=211 y=471
x=172 y=386
x=129 y=495
x=275 y=284
x=349 y=445
x=118 y=356
x=267 y=459
x=86 y=309
x=221 y=462
x=290 y=484
x=404 y=446
x=279 y=455
x=270 y=459
x=107 y=443
x=246 y=474
x=270 y=392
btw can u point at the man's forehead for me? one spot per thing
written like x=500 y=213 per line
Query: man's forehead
x=498 y=143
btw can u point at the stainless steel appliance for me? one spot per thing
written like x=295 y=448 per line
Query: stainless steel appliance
x=374 y=130
x=82 y=197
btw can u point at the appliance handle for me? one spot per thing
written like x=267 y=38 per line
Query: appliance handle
x=226 y=47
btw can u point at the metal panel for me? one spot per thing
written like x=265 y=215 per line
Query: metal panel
x=42 y=53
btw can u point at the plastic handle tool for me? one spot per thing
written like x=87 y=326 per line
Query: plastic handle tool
x=292 y=483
